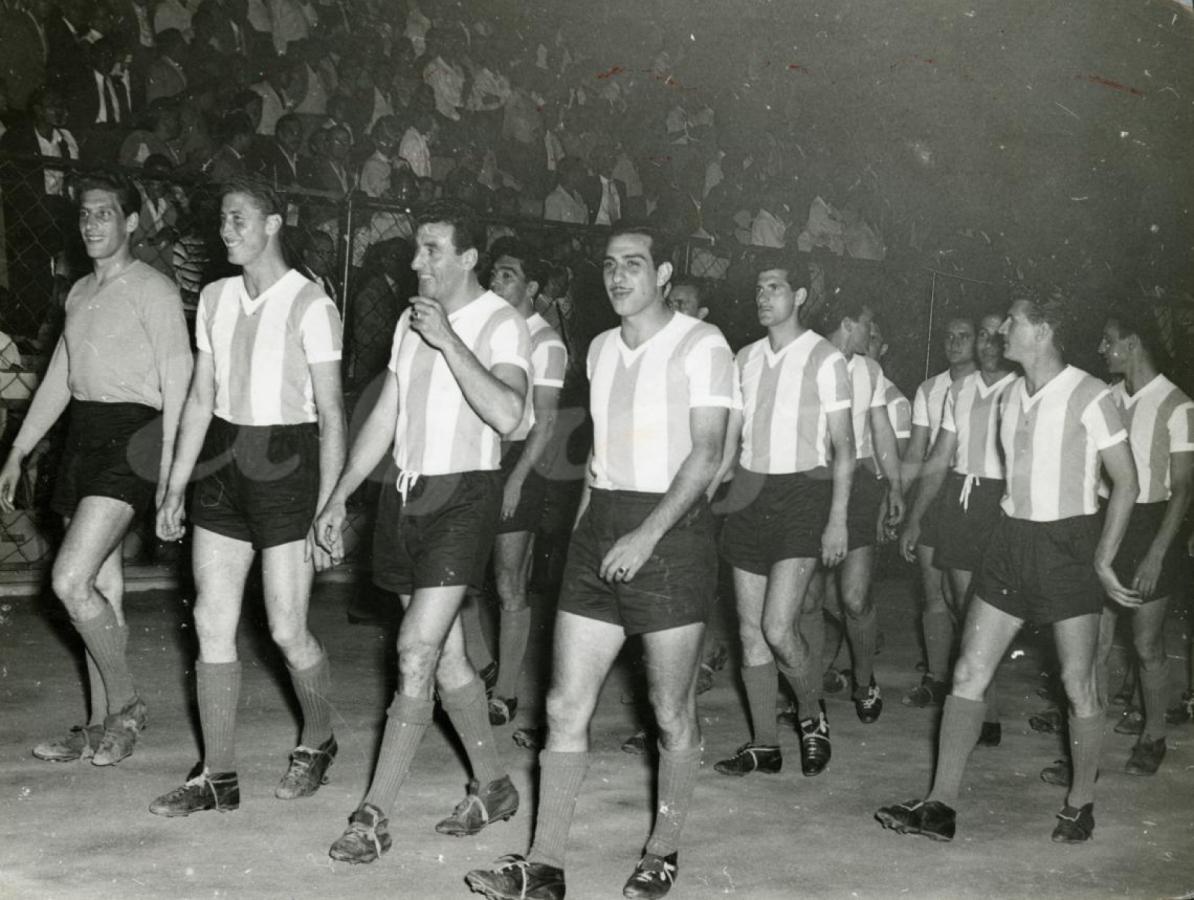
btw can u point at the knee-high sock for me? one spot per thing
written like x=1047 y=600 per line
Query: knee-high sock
x=468 y=710
x=406 y=723
x=938 y=628
x=677 y=778
x=95 y=688
x=1086 y=740
x=961 y=722
x=806 y=680
x=1154 y=683
x=513 y=634
x=863 y=632
x=560 y=777
x=476 y=645
x=106 y=640
x=313 y=685
x=762 y=690
x=992 y=699
x=218 y=689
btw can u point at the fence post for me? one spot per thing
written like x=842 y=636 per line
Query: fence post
x=346 y=236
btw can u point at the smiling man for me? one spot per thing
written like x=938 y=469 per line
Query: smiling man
x=120 y=371
x=642 y=561
x=262 y=434
x=457 y=381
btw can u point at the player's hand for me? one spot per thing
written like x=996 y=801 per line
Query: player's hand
x=511 y=494
x=428 y=318
x=834 y=540
x=1129 y=599
x=628 y=554
x=895 y=508
x=909 y=538
x=10 y=477
x=171 y=517
x=316 y=554
x=1148 y=574
x=328 y=530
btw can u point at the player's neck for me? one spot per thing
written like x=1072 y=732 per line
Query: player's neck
x=645 y=324
x=458 y=299
x=961 y=370
x=1040 y=371
x=263 y=273
x=991 y=376
x=779 y=336
x=1138 y=374
x=111 y=267
x=526 y=307
x=842 y=342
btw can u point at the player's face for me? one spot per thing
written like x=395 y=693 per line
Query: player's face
x=876 y=349
x=1114 y=348
x=103 y=224
x=684 y=298
x=775 y=301
x=440 y=268
x=988 y=344
x=959 y=343
x=509 y=281
x=245 y=229
x=1019 y=333
x=860 y=333
x=632 y=280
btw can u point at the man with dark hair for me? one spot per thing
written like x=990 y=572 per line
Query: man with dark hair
x=688 y=295
x=121 y=368
x=1050 y=561
x=456 y=382
x=263 y=434
x=642 y=561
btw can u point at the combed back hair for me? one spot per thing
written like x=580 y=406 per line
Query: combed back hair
x=1138 y=320
x=534 y=268
x=1053 y=308
x=794 y=269
x=467 y=231
x=261 y=192
x=844 y=305
x=125 y=191
x=662 y=244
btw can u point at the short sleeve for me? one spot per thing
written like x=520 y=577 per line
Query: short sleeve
x=879 y=381
x=920 y=406
x=549 y=360
x=948 y=422
x=1181 y=428
x=510 y=343
x=709 y=365
x=320 y=331
x=1104 y=422
x=899 y=411
x=203 y=316
x=833 y=383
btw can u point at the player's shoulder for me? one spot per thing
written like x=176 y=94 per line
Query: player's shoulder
x=1082 y=386
x=542 y=331
x=151 y=283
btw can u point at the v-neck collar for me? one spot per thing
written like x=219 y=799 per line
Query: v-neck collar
x=1062 y=378
x=1132 y=399
x=629 y=356
x=985 y=390
x=250 y=305
x=774 y=356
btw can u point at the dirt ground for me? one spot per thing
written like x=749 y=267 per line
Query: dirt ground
x=74 y=830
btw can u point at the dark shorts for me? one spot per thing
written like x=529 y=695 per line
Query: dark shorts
x=1143 y=526
x=529 y=512
x=439 y=535
x=867 y=492
x=929 y=523
x=775 y=517
x=675 y=587
x=1042 y=572
x=257 y=483
x=966 y=520
x=111 y=450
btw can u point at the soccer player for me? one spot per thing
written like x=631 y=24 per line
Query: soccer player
x=937 y=619
x=457 y=381
x=1048 y=562
x=642 y=561
x=263 y=436
x=967 y=448
x=1160 y=420
x=788 y=504
x=120 y=372
x=517 y=274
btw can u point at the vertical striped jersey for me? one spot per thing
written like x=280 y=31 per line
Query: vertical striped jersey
x=972 y=413
x=438 y=433
x=929 y=403
x=1051 y=442
x=262 y=347
x=640 y=401
x=1160 y=420
x=866 y=391
x=899 y=410
x=549 y=359
x=786 y=398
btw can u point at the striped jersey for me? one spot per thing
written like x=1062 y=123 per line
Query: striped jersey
x=786 y=398
x=929 y=403
x=438 y=433
x=1160 y=420
x=972 y=413
x=640 y=401
x=549 y=359
x=899 y=410
x=866 y=392
x=262 y=347
x=1051 y=442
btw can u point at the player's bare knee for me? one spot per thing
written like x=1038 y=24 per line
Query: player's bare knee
x=567 y=715
x=417 y=662
x=73 y=587
x=970 y=680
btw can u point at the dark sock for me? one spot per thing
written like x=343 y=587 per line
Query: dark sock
x=95 y=688
x=811 y=634
x=512 y=647
x=961 y=722
x=313 y=685
x=468 y=710
x=1154 y=684
x=677 y=778
x=406 y=722
x=476 y=645
x=762 y=691
x=1086 y=740
x=991 y=699
x=560 y=777
x=218 y=690
x=106 y=640
x=863 y=632
x=938 y=628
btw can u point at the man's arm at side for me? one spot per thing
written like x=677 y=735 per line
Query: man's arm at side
x=1121 y=470
x=192 y=429
x=730 y=451
x=329 y=406
x=932 y=474
x=888 y=460
x=834 y=539
x=1181 y=484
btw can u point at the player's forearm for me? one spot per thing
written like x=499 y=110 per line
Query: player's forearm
x=498 y=404
x=48 y=405
x=885 y=449
x=332 y=452
x=843 y=480
x=1115 y=522
x=1175 y=516
x=691 y=481
x=538 y=440
x=192 y=429
x=371 y=444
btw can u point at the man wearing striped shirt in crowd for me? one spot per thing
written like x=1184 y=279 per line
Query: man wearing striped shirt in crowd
x=263 y=436
x=457 y=381
x=937 y=619
x=787 y=506
x=966 y=462
x=642 y=560
x=1049 y=562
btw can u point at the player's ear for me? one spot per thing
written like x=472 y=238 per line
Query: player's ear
x=469 y=257
x=663 y=274
x=703 y=313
